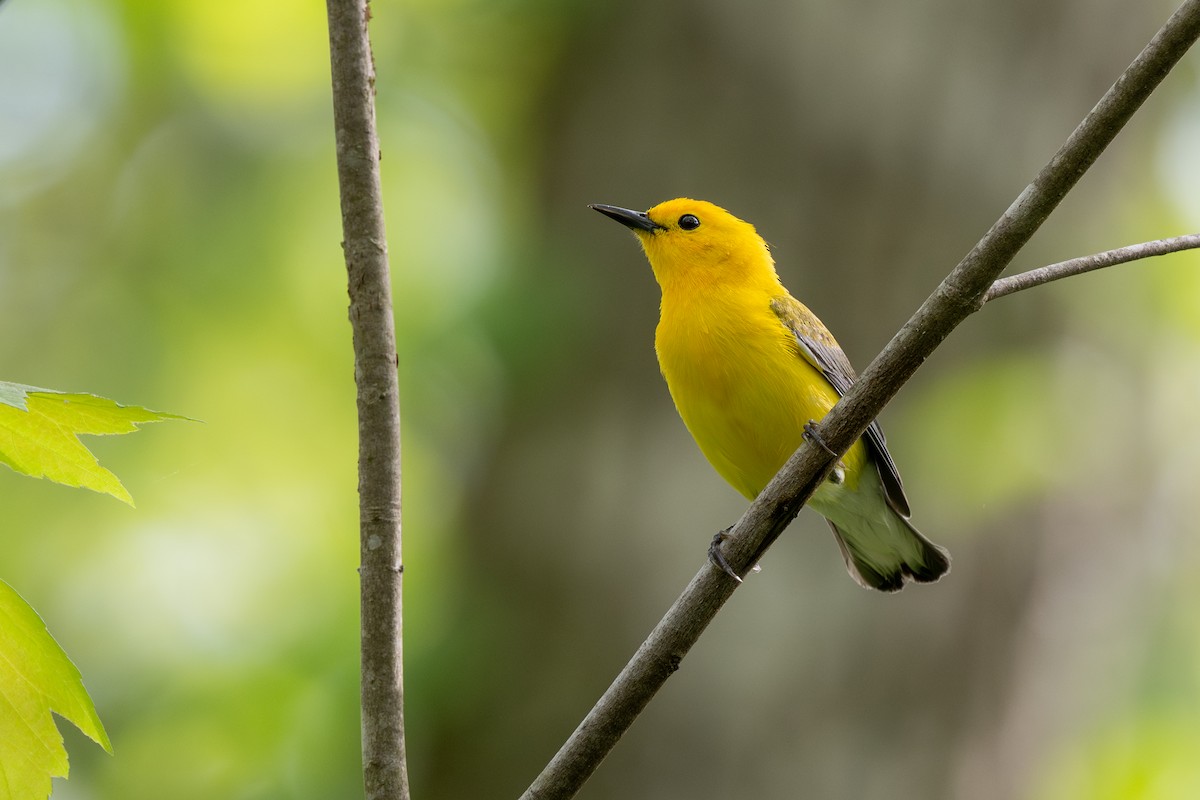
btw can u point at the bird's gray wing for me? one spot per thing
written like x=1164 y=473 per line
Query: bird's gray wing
x=818 y=347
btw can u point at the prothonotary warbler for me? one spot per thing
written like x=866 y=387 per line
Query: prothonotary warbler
x=749 y=366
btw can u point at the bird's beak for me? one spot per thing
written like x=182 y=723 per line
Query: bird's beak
x=635 y=220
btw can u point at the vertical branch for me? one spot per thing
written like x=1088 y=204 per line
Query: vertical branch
x=385 y=774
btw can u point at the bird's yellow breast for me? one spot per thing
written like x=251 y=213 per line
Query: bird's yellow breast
x=740 y=384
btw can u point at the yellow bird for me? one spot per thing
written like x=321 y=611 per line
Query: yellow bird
x=750 y=367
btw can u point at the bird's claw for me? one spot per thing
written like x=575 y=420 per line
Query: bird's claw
x=810 y=433
x=717 y=558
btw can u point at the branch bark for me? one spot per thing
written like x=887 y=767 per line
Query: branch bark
x=385 y=774
x=1078 y=266
x=958 y=296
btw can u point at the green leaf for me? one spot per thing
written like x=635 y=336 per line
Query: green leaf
x=39 y=434
x=36 y=677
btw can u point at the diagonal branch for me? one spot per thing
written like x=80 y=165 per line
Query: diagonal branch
x=1078 y=266
x=385 y=775
x=958 y=296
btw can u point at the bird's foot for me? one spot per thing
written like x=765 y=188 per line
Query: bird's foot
x=838 y=473
x=810 y=433
x=717 y=558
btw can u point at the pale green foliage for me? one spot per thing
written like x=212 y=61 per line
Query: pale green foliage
x=39 y=434
x=36 y=677
x=39 y=431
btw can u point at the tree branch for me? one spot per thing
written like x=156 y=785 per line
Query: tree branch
x=385 y=774
x=959 y=295
x=1078 y=266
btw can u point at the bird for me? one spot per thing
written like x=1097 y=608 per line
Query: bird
x=751 y=369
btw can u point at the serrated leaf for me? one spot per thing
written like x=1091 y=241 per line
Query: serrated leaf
x=13 y=394
x=39 y=431
x=36 y=678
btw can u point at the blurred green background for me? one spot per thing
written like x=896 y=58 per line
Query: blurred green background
x=169 y=237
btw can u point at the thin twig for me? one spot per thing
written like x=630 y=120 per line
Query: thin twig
x=959 y=295
x=385 y=775
x=1078 y=266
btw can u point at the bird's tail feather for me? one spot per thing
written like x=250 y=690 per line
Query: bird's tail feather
x=905 y=555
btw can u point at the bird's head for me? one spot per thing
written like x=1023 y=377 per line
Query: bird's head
x=697 y=244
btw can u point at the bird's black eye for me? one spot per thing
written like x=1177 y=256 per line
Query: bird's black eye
x=689 y=222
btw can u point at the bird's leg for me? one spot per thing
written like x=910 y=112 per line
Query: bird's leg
x=838 y=473
x=717 y=558
x=810 y=433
